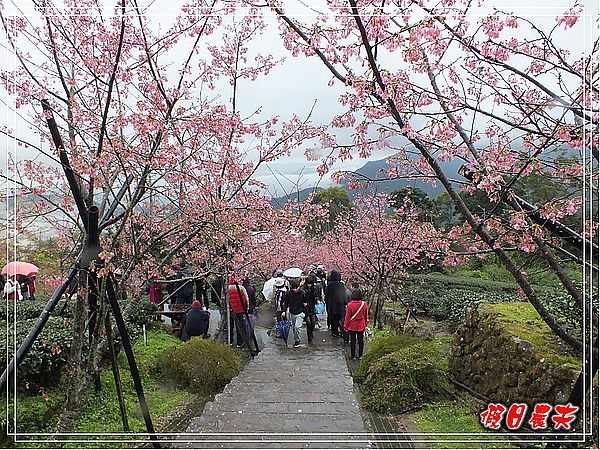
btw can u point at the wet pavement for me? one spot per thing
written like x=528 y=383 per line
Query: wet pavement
x=284 y=398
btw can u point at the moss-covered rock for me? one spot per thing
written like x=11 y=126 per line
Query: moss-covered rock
x=507 y=353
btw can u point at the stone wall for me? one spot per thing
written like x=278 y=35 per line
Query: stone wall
x=486 y=357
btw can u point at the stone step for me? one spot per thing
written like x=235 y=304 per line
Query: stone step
x=277 y=422
x=274 y=441
x=291 y=385
x=278 y=407
x=273 y=397
x=280 y=400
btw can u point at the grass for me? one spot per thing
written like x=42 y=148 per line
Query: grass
x=39 y=413
x=102 y=413
x=455 y=417
x=522 y=320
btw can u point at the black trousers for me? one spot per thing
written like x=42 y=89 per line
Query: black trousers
x=337 y=327
x=354 y=335
x=233 y=324
x=311 y=321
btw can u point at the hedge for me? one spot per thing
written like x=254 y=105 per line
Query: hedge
x=48 y=353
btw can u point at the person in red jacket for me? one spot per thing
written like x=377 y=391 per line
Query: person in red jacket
x=238 y=300
x=357 y=317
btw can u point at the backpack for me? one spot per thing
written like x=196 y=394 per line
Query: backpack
x=280 y=299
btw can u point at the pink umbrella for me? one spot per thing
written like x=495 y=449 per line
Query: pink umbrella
x=19 y=268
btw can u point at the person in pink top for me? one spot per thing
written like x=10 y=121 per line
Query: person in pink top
x=357 y=317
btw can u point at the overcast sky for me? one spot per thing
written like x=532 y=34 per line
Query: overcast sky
x=295 y=85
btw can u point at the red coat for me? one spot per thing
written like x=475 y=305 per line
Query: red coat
x=359 y=323
x=234 y=298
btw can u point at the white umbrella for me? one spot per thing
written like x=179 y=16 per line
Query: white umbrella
x=267 y=289
x=292 y=272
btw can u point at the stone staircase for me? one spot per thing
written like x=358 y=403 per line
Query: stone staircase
x=284 y=398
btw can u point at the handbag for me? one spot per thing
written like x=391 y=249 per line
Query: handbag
x=320 y=308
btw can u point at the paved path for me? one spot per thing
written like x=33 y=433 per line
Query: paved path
x=284 y=398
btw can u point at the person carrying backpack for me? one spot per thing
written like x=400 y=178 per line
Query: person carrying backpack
x=280 y=291
x=357 y=317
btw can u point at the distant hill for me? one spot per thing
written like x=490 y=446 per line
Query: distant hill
x=374 y=170
x=298 y=196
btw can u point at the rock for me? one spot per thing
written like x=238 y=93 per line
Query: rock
x=485 y=357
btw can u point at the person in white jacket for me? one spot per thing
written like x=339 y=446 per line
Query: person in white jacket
x=269 y=287
x=12 y=290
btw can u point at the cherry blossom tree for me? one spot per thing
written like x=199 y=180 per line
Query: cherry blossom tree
x=141 y=136
x=373 y=247
x=498 y=92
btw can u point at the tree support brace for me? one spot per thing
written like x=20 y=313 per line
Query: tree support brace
x=135 y=375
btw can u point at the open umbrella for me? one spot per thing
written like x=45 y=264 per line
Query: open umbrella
x=293 y=272
x=19 y=268
x=283 y=329
x=267 y=290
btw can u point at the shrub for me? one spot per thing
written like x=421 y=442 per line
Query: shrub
x=148 y=356
x=142 y=314
x=446 y=303
x=26 y=310
x=405 y=379
x=203 y=366
x=48 y=353
x=381 y=346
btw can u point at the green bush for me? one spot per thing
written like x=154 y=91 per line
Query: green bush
x=405 y=379
x=26 y=310
x=381 y=346
x=203 y=366
x=142 y=314
x=48 y=353
x=443 y=302
x=148 y=357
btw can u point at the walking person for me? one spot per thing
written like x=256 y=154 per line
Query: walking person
x=280 y=291
x=32 y=286
x=185 y=284
x=202 y=289
x=357 y=317
x=297 y=304
x=322 y=282
x=238 y=300
x=12 y=289
x=24 y=282
x=155 y=292
x=251 y=290
x=336 y=299
x=313 y=295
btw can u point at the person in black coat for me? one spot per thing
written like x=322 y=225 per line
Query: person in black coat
x=24 y=281
x=215 y=290
x=297 y=303
x=183 y=287
x=197 y=322
x=202 y=289
x=336 y=298
x=313 y=295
